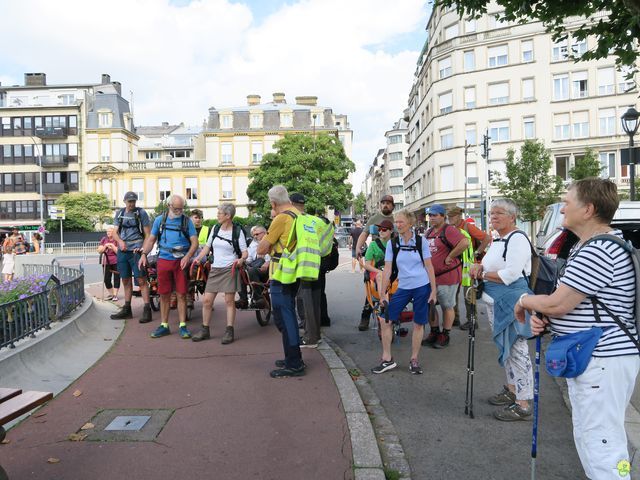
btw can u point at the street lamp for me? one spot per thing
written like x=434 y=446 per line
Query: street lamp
x=38 y=148
x=630 y=126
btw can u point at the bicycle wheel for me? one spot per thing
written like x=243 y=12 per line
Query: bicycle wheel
x=263 y=316
x=154 y=301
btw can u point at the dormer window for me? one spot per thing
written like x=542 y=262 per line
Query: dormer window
x=226 y=121
x=256 y=120
x=105 y=119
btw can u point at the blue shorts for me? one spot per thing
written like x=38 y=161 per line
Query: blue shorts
x=402 y=297
x=128 y=264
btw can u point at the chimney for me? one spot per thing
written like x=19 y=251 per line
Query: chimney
x=310 y=101
x=278 y=97
x=253 y=100
x=106 y=79
x=35 y=79
x=118 y=87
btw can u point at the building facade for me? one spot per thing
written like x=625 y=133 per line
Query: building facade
x=512 y=81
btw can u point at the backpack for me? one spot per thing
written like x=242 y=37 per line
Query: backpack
x=136 y=214
x=184 y=227
x=330 y=262
x=544 y=271
x=396 y=247
x=235 y=237
x=443 y=237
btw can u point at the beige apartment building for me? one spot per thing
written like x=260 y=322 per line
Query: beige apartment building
x=513 y=81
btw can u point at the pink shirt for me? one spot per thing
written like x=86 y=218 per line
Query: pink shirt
x=110 y=257
x=439 y=251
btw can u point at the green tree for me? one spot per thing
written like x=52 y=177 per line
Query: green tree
x=587 y=166
x=528 y=182
x=82 y=211
x=616 y=33
x=315 y=166
x=162 y=207
x=359 y=203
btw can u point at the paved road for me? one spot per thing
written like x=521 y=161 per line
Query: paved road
x=428 y=410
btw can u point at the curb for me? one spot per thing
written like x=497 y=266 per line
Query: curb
x=373 y=436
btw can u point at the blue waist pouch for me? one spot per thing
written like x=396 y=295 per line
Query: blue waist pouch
x=569 y=355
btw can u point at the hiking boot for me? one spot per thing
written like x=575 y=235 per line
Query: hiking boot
x=184 y=333
x=431 y=339
x=364 y=324
x=124 y=312
x=228 y=336
x=467 y=325
x=385 y=366
x=202 y=334
x=505 y=397
x=242 y=304
x=146 y=315
x=288 y=372
x=442 y=341
x=325 y=322
x=282 y=364
x=414 y=367
x=513 y=413
x=161 y=331
x=259 y=303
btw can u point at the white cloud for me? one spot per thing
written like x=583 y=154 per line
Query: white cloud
x=179 y=61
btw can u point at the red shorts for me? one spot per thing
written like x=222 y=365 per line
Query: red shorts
x=171 y=277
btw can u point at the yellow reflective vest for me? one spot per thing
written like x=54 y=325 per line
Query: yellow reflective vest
x=303 y=261
x=467 y=260
x=203 y=235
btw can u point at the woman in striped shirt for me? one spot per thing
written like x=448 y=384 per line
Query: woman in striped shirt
x=603 y=270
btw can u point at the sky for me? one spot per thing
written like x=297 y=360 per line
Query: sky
x=180 y=57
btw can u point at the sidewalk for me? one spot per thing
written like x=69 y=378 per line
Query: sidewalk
x=227 y=418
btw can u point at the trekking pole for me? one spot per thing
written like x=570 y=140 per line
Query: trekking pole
x=468 y=402
x=536 y=397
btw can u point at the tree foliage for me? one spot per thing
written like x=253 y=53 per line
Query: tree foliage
x=528 y=182
x=162 y=207
x=587 y=166
x=82 y=211
x=315 y=166
x=615 y=24
x=359 y=203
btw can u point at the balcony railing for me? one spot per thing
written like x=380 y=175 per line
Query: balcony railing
x=55 y=188
x=51 y=132
x=163 y=165
x=137 y=165
x=55 y=161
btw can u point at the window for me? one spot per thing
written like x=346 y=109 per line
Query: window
x=607 y=121
x=226 y=153
x=255 y=121
x=67 y=99
x=561 y=129
x=606 y=81
x=256 y=152
x=152 y=155
x=561 y=87
x=227 y=187
x=470 y=25
x=395 y=173
x=580 y=124
x=579 y=85
x=137 y=186
x=578 y=47
x=498 y=56
x=495 y=20
x=446 y=138
x=469 y=61
x=528 y=92
x=395 y=156
x=624 y=84
x=472 y=172
x=446 y=178
x=499 y=131
x=396 y=190
x=395 y=139
x=470 y=97
x=444 y=66
x=191 y=188
x=445 y=101
x=608 y=163
x=73 y=152
x=105 y=150
x=562 y=167
x=286 y=120
x=526 y=46
x=164 y=188
x=559 y=51
x=499 y=93
x=470 y=134
x=317 y=119
x=529 y=127
x=104 y=119
x=451 y=31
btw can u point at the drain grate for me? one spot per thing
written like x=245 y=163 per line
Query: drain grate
x=127 y=425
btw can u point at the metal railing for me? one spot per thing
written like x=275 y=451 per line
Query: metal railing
x=63 y=293
x=69 y=248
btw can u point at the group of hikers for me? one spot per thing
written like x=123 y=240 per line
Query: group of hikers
x=15 y=243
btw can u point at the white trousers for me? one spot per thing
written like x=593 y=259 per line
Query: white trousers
x=517 y=366
x=599 y=399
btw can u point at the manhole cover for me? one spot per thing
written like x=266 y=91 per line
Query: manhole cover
x=127 y=425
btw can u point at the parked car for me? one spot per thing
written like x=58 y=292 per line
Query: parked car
x=342 y=235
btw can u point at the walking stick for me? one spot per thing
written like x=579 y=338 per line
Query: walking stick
x=536 y=396
x=468 y=402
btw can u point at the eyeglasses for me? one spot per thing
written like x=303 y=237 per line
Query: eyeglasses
x=256 y=235
x=382 y=229
x=177 y=209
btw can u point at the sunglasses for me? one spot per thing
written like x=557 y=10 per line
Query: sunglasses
x=382 y=229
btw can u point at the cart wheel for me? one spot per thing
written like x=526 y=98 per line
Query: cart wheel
x=264 y=316
x=155 y=303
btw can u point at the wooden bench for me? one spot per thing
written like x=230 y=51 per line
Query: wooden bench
x=14 y=403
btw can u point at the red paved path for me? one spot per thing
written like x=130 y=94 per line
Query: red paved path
x=232 y=421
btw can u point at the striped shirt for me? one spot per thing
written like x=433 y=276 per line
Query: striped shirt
x=602 y=269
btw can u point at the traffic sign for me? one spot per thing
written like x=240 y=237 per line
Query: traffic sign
x=56 y=212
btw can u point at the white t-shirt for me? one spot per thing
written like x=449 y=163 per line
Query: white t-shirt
x=223 y=253
x=253 y=252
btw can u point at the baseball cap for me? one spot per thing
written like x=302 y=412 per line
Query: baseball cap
x=454 y=211
x=130 y=196
x=436 y=209
x=387 y=198
x=385 y=224
x=297 y=198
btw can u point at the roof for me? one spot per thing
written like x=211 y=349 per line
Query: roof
x=274 y=106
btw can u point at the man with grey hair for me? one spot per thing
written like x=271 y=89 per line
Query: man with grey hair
x=257 y=271
x=177 y=242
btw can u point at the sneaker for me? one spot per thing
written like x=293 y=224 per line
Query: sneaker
x=431 y=339
x=146 y=315
x=513 y=413
x=505 y=397
x=414 y=367
x=282 y=364
x=384 y=366
x=228 y=336
x=364 y=324
x=161 y=331
x=442 y=341
x=288 y=372
x=125 y=312
x=202 y=334
x=114 y=298
x=307 y=344
x=184 y=333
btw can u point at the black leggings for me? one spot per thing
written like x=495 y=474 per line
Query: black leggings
x=109 y=271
